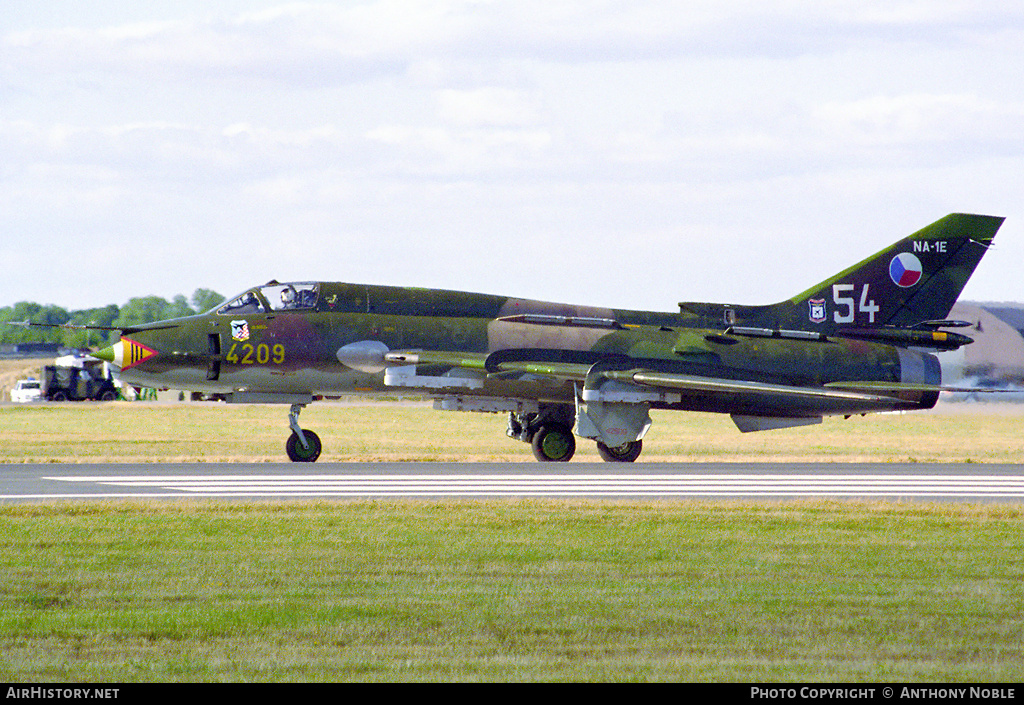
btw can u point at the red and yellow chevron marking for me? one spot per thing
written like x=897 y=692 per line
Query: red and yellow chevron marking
x=134 y=353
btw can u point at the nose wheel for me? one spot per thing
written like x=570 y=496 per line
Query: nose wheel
x=303 y=446
x=299 y=453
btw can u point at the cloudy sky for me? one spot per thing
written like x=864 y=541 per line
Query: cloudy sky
x=630 y=154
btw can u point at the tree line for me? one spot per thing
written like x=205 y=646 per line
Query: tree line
x=138 y=310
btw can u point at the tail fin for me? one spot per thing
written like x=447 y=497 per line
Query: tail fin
x=917 y=279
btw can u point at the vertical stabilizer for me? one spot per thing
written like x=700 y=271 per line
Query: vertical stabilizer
x=914 y=280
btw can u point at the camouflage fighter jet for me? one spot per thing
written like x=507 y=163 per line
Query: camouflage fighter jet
x=856 y=343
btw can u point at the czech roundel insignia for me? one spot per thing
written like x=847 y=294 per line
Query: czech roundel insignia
x=818 y=314
x=905 y=270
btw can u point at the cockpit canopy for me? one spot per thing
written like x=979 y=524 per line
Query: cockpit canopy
x=274 y=296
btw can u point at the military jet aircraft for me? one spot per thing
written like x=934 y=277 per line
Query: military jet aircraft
x=859 y=342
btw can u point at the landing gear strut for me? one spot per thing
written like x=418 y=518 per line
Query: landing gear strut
x=303 y=446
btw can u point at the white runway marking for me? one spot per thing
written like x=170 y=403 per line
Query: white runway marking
x=531 y=485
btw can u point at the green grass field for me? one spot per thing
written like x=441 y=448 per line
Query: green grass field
x=127 y=432
x=510 y=590
x=515 y=590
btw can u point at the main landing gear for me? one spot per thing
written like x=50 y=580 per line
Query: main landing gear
x=626 y=453
x=553 y=443
x=303 y=446
x=550 y=435
x=548 y=432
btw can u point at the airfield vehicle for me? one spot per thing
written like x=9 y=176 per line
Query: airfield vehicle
x=74 y=383
x=26 y=390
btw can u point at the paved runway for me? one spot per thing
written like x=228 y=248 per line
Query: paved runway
x=263 y=481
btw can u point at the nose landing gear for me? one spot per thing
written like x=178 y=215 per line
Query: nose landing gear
x=303 y=446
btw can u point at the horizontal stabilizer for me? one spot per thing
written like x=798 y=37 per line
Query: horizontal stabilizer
x=894 y=388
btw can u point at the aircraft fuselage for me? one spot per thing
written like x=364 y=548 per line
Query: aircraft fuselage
x=302 y=350
x=855 y=343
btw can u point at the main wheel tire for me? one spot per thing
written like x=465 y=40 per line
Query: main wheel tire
x=553 y=443
x=626 y=453
x=297 y=453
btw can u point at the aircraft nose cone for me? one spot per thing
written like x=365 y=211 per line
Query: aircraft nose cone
x=107 y=354
x=113 y=354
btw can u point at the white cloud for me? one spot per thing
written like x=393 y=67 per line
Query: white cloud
x=487 y=106
x=951 y=127
x=409 y=142
x=348 y=41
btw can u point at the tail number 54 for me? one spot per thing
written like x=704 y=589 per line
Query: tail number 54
x=846 y=306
